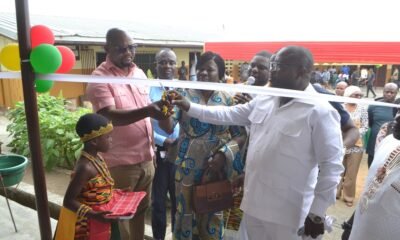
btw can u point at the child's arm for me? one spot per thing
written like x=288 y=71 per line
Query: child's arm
x=83 y=172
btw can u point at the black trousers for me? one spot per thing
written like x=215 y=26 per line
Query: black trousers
x=163 y=183
x=369 y=88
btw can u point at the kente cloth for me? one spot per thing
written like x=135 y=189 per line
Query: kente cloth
x=232 y=218
x=96 y=192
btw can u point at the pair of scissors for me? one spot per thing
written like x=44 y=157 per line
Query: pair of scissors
x=166 y=91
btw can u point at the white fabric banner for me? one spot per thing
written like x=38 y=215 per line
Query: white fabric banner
x=199 y=85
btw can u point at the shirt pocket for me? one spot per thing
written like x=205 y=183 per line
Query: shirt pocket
x=257 y=119
x=289 y=129
x=143 y=90
x=144 y=95
x=122 y=99
x=290 y=139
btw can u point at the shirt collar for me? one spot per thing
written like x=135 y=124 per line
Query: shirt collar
x=112 y=67
x=309 y=89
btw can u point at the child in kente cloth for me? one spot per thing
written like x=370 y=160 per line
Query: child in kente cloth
x=90 y=190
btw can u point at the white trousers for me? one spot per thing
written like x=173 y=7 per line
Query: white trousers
x=252 y=228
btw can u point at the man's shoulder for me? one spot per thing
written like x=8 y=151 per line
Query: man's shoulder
x=102 y=70
x=139 y=73
x=320 y=89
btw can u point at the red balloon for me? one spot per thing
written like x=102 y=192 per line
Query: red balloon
x=68 y=59
x=41 y=34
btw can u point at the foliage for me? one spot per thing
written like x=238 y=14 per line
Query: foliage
x=149 y=74
x=61 y=145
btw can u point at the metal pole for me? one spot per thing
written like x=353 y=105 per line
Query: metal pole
x=8 y=204
x=32 y=119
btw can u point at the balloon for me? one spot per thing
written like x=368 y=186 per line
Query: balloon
x=41 y=34
x=43 y=86
x=45 y=58
x=9 y=56
x=68 y=59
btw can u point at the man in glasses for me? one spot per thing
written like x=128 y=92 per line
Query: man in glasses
x=294 y=157
x=130 y=159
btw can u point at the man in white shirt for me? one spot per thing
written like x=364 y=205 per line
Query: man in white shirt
x=295 y=152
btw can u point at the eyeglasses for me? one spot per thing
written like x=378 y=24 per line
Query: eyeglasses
x=164 y=62
x=276 y=66
x=357 y=95
x=121 y=50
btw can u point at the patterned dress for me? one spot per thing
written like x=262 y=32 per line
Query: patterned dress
x=197 y=143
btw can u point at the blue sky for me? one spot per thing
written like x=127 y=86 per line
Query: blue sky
x=256 y=20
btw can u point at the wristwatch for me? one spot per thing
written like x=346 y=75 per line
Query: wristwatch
x=316 y=219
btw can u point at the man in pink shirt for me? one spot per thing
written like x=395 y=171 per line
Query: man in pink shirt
x=129 y=108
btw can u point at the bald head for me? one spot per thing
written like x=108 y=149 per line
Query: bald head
x=340 y=87
x=291 y=68
x=166 y=63
x=390 y=92
x=164 y=51
x=299 y=55
x=115 y=34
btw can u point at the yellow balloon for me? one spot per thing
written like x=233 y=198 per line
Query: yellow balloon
x=9 y=57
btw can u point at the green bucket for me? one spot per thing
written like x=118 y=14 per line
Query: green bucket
x=12 y=169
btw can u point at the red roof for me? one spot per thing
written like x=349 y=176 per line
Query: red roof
x=324 y=52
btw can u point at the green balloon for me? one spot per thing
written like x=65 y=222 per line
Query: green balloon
x=43 y=86
x=45 y=58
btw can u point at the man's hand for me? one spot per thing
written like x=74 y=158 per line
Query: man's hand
x=237 y=183
x=178 y=100
x=101 y=216
x=156 y=110
x=242 y=98
x=313 y=229
x=217 y=162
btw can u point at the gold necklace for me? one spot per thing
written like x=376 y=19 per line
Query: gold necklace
x=390 y=164
x=101 y=166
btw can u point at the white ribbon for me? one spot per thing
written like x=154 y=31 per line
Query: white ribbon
x=200 y=85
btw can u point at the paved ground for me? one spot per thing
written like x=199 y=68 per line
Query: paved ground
x=27 y=222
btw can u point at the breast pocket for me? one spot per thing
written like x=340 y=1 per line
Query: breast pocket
x=257 y=119
x=289 y=136
x=122 y=100
x=144 y=98
x=290 y=129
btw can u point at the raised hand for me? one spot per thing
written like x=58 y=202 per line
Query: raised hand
x=242 y=98
x=160 y=110
x=178 y=100
x=217 y=162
